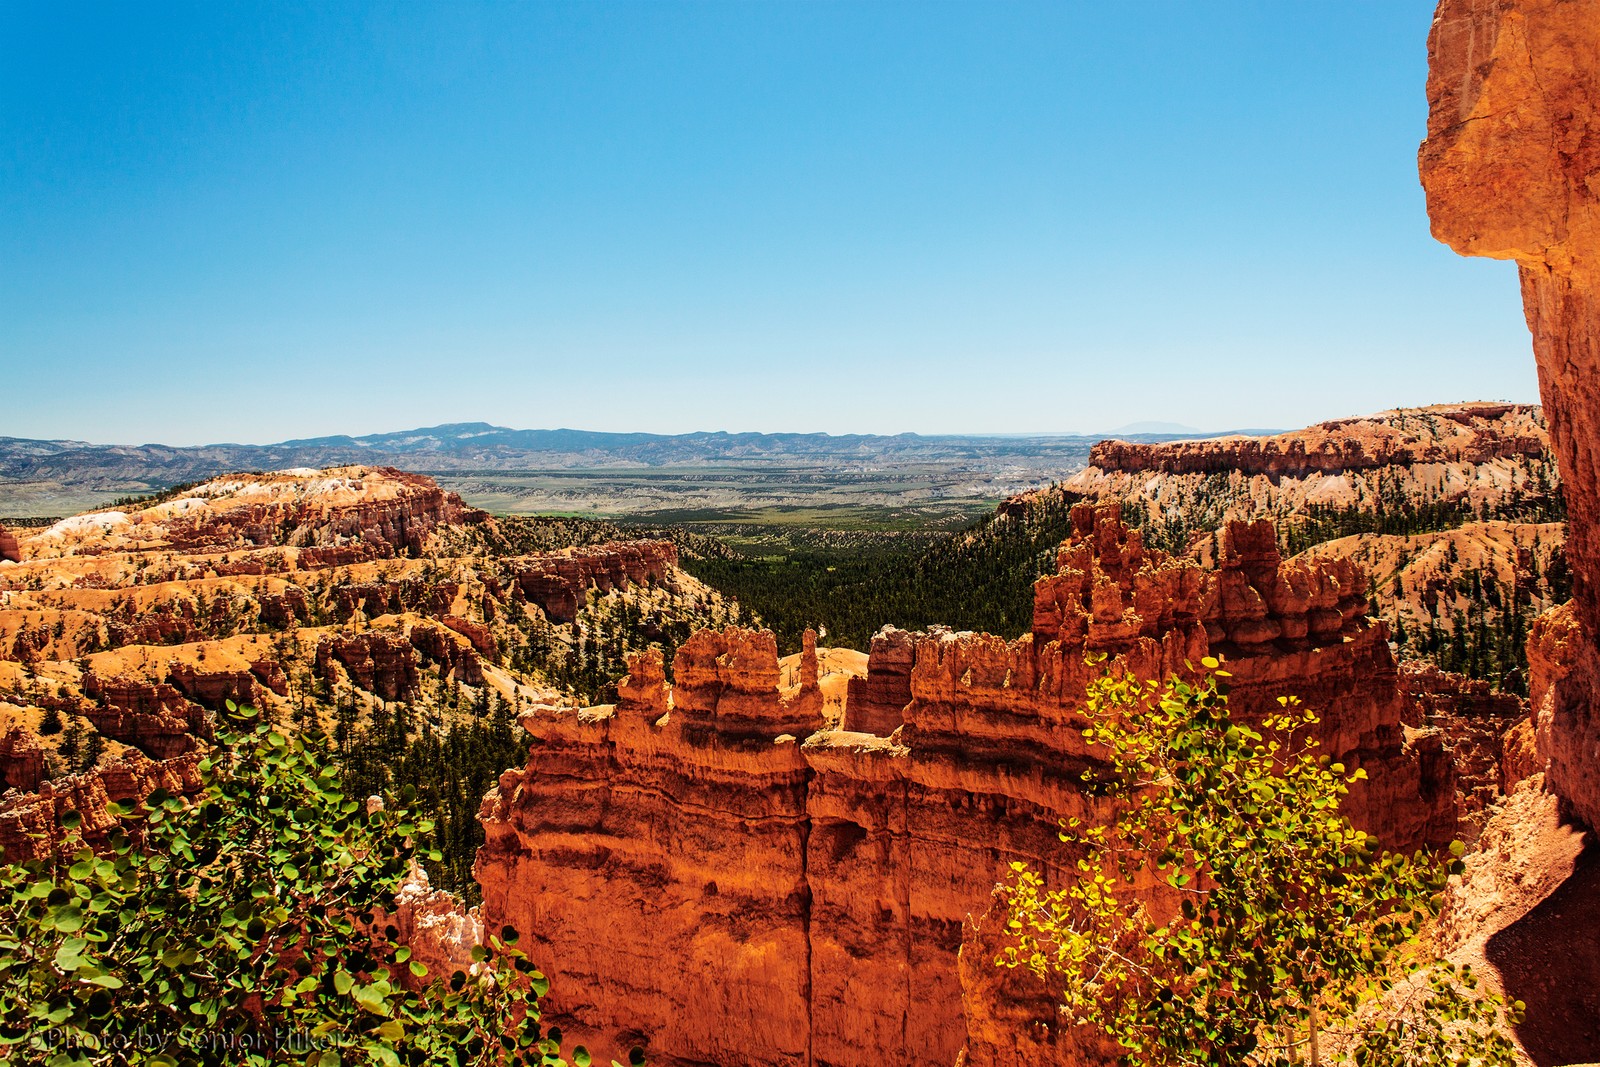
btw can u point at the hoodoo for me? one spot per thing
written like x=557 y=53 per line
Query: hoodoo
x=707 y=865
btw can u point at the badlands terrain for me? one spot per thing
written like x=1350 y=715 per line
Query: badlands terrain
x=739 y=845
x=361 y=602
x=735 y=845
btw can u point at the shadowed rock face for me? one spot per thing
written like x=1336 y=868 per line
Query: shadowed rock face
x=706 y=864
x=1550 y=960
x=1511 y=168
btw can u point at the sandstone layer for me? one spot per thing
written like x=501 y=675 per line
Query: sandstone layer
x=1511 y=169
x=321 y=597
x=1491 y=458
x=1471 y=434
x=709 y=869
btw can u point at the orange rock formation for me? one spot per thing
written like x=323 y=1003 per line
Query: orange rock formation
x=556 y=582
x=706 y=868
x=30 y=823
x=1457 y=433
x=1486 y=455
x=1511 y=168
x=283 y=591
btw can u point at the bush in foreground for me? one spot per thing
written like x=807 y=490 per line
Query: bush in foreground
x=1282 y=926
x=244 y=926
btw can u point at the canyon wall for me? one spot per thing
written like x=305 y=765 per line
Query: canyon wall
x=1480 y=726
x=1511 y=169
x=1472 y=434
x=1462 y=462
x=705 y=869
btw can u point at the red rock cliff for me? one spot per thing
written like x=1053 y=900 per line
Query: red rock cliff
x=706 y=866
x=1460 y=433
x=1511 y=168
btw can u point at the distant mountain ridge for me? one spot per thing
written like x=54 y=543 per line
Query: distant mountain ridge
x=44 y=477
x=481 y=445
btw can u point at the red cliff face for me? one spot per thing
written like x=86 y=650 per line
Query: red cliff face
x=1511 y=168
x=8 y=546
x=1459 y=433
x=708 y=867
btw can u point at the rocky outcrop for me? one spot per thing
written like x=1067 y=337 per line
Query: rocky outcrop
x=707 y=865
x=1456 y=433
x=388 y=512
x=1478 y=730
x=380 y=662
x=153 y=717
x=1486 y=461
x=558 y=582
x=1555 y=651
x=436 y=928
x=725 y=685
x=644 y=692
x=30 y=823
x=378 y=598
x=477 y=635
x=283 y=609
x=9 y=549
x=215 y=689
x=21 y=760
x=1510 y=169
x=450 y=650
x=875 y=704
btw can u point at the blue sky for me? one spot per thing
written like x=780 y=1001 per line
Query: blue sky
x=222 y=222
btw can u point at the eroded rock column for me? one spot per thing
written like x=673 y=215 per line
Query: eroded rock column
x=1511 y=167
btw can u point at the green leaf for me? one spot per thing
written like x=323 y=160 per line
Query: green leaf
x=372 y=1000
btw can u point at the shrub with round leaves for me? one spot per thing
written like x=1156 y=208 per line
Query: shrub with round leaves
x=245 y=925
x=1230 y=914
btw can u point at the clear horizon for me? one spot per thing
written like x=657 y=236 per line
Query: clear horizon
x=1143 y=427
x=222 y=224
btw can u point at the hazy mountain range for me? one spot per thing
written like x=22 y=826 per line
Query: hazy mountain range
x=59 y=477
